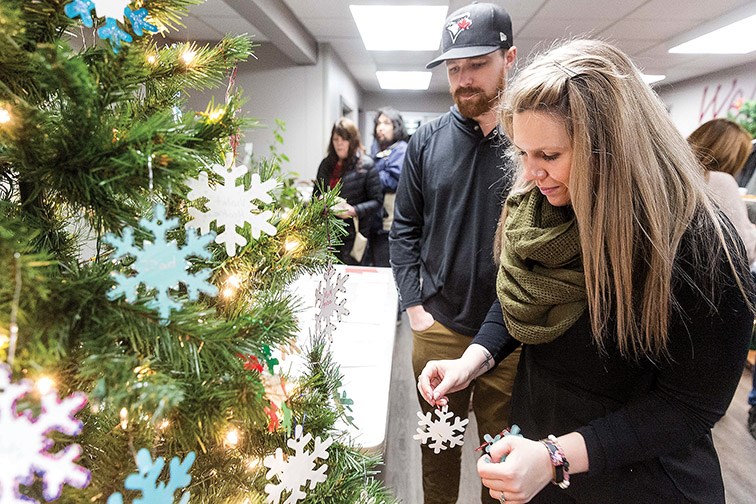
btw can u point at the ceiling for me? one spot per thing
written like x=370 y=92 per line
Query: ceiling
x=645 y=29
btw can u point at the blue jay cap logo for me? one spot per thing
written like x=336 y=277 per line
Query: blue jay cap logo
x=458 y=25
x=474 y=30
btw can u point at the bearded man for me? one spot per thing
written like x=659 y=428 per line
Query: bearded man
x=453 y=182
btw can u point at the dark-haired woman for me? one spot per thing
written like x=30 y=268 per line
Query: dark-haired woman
x=346 y=162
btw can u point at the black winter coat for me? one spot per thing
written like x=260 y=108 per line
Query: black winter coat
x=361 y=188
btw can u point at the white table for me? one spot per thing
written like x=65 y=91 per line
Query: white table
x=363 y=345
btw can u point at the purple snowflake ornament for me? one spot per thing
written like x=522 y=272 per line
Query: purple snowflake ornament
x=24 y=443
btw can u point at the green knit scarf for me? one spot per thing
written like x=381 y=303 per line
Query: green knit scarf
x=540 y=282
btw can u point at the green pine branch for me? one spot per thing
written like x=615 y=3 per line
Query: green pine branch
x=92 y=143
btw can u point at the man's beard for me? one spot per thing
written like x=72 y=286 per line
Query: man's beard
x=479 y=104
x=384 y=141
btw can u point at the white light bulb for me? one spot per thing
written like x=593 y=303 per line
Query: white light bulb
x=45 y=384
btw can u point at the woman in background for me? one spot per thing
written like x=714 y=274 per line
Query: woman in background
x=722 y=147
x=626 y=286
x=347 y=163
x=388 y=151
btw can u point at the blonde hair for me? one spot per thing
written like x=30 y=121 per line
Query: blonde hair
x=721 y=145
x=635 y=188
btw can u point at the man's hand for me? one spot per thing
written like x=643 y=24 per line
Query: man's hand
x=419 y=319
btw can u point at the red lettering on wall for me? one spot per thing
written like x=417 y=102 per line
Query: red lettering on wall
x=720 y=102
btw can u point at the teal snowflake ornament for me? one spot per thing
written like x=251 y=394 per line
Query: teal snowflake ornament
x=111 y=31
x=80 y=9
x=113 y=11
x=138 y=20
x=162 y=265
x=146 y=480
x=514 y=431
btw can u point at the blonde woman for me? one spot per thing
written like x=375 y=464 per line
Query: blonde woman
x=722 y=147
x=626 y=287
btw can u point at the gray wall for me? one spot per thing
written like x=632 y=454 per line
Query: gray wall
x=306 y=97
x=309 y=98
x=698 y=100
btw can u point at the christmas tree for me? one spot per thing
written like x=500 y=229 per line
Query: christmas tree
x=143 y=293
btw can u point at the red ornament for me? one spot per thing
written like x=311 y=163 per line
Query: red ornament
x=251 y=363
x=271 y=412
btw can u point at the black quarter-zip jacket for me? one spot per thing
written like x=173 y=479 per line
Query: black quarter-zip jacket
x=450 y=193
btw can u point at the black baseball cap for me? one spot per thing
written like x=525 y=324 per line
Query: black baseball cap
x=474 y=30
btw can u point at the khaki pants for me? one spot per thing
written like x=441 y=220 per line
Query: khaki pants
x=491 y=394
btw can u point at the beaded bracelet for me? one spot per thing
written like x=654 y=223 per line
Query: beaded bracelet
x=559 y=461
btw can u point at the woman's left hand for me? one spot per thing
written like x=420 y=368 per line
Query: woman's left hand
x=524 y=473
x=346 y=211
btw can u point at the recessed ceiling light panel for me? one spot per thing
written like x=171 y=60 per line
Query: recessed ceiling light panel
x=735 y=38
x=400 y=27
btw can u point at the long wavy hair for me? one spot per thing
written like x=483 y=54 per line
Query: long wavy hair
x=721 y=145
x=346 y=129
x=635 y=188
x=400 y=132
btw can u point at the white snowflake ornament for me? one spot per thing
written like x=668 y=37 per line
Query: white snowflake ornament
x=161 y=265
x=365 y=498
x=24 y=443
x=440 y=431
x=293 y=472
x=231 y=205
x=326 y=300
x=146 y=480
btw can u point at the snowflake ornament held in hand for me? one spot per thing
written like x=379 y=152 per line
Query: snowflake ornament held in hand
x=24 y=442
x=513 y=431
x=161 y=265
x=145 y=479
x=294 y=471
x=325 y=300
x=231 y=205
x=440 y=431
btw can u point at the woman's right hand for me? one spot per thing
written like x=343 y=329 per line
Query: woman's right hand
x=441 y=377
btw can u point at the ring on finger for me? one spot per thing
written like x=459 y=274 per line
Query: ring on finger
x=501 y=498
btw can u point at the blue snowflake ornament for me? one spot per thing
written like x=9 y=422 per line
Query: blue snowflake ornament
x=111 y=31
x=162 y=265
x=513 y=431
x=138 y=19
x=146 y=480
x=115 y=13
x=81 y=9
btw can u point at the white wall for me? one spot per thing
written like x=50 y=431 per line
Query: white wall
x=698 y=100
x=416 y=107
x=340 y=90
x=306 y=98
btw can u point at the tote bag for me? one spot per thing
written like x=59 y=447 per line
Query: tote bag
x=360 y=242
